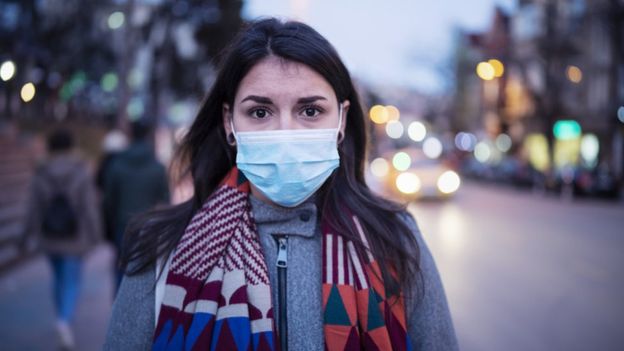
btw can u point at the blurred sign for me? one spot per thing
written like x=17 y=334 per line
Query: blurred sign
x=567 y=129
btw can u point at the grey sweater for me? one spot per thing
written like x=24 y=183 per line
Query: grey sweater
x=428 y=320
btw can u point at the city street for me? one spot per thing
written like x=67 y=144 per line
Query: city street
x=27 y=312
x=522 y=272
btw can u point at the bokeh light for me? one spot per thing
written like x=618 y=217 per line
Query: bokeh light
x=448 y=182
x=575 y=75
x=432 y=147
x=590 y=147
x=482 y=152
x=485 y=71
x=393 y=113
x=379 y=167
x=417 y=131
x=465 y=141
x=620 y=114
x=109 y=82
x=408 y=183
x=394 y=129
x=567 y=129
x=499 y=68
x=503 y=142
x=116 y=20
x=28 y=92
x=378 y=114
x=135 y=108
x=135 y=78
x=7 y=70
x=401 y=161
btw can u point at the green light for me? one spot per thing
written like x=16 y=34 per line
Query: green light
x=66 y=92
x=135 y=109
x=78 y=81
x=116 y=20
x=566 y=130
x=109 y=82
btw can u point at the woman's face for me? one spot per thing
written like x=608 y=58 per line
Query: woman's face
x=281 y=94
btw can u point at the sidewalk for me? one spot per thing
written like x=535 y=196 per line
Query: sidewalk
x=27 y=313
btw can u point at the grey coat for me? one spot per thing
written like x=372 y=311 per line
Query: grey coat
x=429 y=321
x=69 y=173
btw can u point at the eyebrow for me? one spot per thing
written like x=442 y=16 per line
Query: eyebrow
x=266 y=100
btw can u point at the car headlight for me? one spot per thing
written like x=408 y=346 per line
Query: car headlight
x=408 y=183
x=448 y=182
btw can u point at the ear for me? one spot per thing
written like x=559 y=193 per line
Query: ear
x=227 y=116
x=343 y=126
x=227 y=126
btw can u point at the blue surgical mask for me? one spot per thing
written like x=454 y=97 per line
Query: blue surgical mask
x=288 y=166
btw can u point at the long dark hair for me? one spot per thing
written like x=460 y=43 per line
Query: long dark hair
x=205 y=153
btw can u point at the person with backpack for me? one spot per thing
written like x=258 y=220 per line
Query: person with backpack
x=62 y=218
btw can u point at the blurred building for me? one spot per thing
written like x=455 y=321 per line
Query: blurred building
x=110 y=59
x=562 y=85
x=478 y=102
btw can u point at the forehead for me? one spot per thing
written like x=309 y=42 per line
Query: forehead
x=275 y=77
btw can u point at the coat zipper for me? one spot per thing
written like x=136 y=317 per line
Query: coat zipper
x=282 y=264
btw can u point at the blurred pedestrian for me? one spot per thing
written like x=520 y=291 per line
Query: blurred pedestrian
x=115 y=141
x=282 y=245
x=62 y=217
x=135 y=182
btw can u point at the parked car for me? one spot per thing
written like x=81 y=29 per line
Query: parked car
x=411 y=176
x=597 y=182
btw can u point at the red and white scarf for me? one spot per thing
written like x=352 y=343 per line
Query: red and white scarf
x=218 y=296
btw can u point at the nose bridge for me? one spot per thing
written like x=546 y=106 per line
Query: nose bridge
x=286 y=120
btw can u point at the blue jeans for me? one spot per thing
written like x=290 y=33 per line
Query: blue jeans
x=66 y=270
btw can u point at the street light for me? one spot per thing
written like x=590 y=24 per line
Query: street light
x=7 y=70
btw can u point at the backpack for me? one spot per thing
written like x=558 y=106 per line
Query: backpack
x=59 y=220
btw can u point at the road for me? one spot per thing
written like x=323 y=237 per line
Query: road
x=527 y=272
x=522 y=272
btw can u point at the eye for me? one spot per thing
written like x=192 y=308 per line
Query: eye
x=259 y=113
x=311 y=111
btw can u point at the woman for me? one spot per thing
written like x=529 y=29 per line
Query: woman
x=282 y=245
x=62 y=216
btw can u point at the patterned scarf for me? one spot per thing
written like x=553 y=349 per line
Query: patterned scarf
x=218 y=297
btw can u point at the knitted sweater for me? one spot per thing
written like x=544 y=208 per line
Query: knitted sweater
x=429 y=322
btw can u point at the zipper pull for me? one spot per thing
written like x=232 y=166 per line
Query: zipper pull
x=282 y=253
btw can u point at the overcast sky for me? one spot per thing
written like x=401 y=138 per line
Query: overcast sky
x=390 y=42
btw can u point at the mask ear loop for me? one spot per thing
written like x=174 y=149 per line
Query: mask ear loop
x=232 y=142
x=340 y=134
